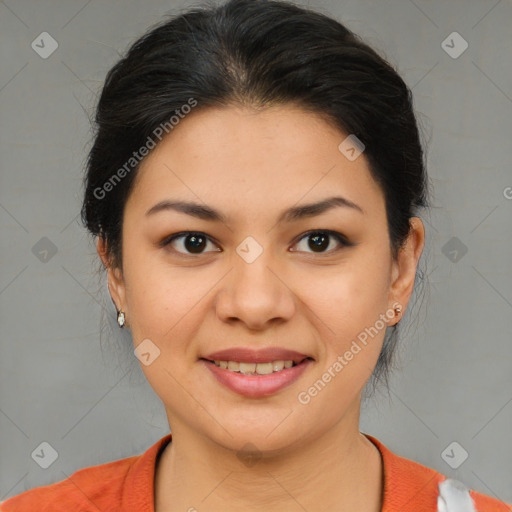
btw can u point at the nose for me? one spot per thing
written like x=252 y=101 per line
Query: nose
x=256 y=294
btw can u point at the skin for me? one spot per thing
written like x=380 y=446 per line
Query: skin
x=251 y=165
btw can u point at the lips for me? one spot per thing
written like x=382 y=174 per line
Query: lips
x=246 y=355
x=257 y=386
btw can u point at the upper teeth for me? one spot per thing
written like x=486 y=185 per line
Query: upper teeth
x=254 y=368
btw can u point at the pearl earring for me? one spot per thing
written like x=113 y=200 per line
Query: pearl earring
x=398 y=310
x=120 y=318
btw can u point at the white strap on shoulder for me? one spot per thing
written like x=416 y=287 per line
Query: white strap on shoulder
x=454 y=497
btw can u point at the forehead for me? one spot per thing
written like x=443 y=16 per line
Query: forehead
x=236 y=155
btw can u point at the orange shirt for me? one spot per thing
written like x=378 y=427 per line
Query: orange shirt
x=126 y=485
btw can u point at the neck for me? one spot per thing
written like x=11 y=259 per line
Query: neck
x=340 y=470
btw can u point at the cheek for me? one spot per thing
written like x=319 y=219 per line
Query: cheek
x=352 y=333
x=165 y=302
x=351 y=304
x=351 y=308
x=151 y=291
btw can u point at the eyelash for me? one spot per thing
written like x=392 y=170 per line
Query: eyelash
x=341 y=239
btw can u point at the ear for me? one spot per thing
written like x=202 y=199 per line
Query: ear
x=404 y=269
x=115 y=280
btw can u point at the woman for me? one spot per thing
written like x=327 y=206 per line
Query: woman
x=254 y=186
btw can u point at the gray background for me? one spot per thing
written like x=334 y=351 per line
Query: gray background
x=89 y=400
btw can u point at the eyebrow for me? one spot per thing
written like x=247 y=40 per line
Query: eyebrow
x=292 y=214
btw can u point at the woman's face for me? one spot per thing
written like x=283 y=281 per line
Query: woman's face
x=256 y=279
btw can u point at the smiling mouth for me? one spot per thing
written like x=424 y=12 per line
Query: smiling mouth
x=263 y=368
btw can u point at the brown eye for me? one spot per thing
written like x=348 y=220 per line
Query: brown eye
x=189 y=242
x=319 y=241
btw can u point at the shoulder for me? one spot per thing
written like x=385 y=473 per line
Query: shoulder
x=121 y=485
x=410 y=486
x=485 y=503
x=87 y=489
